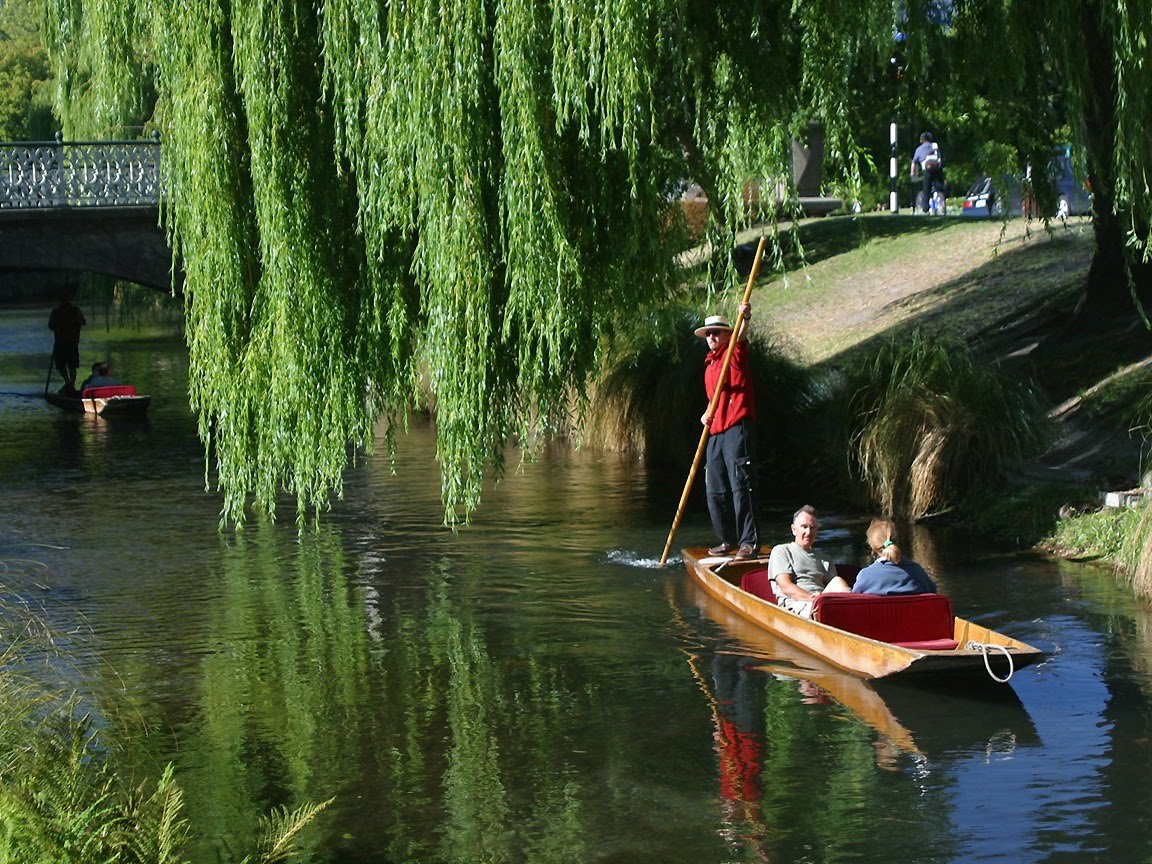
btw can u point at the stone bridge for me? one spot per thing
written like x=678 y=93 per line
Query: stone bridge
x=84 y=206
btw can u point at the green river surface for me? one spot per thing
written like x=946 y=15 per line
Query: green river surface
x=535 y=687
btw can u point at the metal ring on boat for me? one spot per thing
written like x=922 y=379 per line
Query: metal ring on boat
x=984 y=646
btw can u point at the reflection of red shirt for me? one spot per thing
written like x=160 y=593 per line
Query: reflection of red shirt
x=738 y=399
x=740 y=762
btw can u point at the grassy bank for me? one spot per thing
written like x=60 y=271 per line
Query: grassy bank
x=878 y=275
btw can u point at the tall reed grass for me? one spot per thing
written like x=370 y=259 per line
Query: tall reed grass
x=67 y=793
x=923 y=424
x=1135 y=556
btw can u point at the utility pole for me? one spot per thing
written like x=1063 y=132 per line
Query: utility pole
x=897 y=64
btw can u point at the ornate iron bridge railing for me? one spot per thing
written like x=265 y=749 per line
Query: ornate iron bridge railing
x=43 y=174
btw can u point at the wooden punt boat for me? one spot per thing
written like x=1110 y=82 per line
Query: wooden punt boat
x=118 y=401
x=979 y=716
x=968 y=649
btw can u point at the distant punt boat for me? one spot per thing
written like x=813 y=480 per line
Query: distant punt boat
x=121 y=400
x=913 y=636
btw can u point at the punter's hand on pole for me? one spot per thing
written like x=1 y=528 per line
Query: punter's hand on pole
x=745 y=311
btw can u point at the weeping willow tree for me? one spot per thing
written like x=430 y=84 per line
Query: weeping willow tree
x=378 y=203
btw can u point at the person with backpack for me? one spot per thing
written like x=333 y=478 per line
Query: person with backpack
x=928 y=164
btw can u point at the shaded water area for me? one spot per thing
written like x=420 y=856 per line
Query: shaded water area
x=534 y=688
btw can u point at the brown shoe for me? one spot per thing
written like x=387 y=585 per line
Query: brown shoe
x=747 y=552
x=722 y=549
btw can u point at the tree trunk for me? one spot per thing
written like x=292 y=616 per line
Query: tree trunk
x=1117 y=284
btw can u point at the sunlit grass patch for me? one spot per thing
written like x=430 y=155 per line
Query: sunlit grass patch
x=1100 y=534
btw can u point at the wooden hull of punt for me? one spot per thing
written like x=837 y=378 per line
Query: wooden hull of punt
x=857 y=654
x=114 y=406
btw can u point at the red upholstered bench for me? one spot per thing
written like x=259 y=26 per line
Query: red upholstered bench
x=918 y=621
x=756 y=582
x=108 y=392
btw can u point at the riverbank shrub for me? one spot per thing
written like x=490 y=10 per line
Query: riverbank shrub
x=923 y=423
x=1116 y=535
x=68 y=794
x=1096 y=535
x=1025 y=514
x=649 y=395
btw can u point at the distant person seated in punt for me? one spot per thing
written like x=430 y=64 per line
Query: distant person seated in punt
x=799 y=573
x=891 y=572
x=101 y=376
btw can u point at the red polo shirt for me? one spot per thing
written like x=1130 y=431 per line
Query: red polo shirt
x=738 y=400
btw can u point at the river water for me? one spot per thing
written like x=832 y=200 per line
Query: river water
x=535 y=687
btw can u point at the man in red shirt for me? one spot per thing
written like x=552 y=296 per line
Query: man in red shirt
x=729 y=462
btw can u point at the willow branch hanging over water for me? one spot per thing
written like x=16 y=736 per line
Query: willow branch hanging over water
x=380 y=204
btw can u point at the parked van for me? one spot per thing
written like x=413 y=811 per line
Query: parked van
x=989 y=197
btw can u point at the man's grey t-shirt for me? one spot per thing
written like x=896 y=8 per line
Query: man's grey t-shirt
x=810 y=570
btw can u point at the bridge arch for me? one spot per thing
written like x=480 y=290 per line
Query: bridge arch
x=84 y=207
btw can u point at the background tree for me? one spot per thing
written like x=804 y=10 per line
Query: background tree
x=1028 y=73
x=25 y=96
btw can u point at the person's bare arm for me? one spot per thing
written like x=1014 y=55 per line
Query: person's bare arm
x=793 y=591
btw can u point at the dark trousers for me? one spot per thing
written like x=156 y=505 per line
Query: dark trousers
x=933 y=180
x=730 y=481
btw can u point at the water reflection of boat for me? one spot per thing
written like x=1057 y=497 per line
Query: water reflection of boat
x=987 y=718
x=913 y=718
x=118 y=401
x=962 y=647
x=775 y=656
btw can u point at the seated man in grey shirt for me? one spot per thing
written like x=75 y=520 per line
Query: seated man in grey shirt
x=798 y=572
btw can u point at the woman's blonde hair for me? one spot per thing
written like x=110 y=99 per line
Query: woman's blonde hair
x=881 y=536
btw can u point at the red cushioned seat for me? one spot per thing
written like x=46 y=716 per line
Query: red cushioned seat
x=108 y=392
x=922 y=621
x=756 y=582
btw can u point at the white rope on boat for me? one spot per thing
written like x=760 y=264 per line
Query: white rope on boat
x=983 y=648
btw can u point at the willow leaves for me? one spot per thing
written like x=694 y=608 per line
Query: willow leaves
x=388 y=205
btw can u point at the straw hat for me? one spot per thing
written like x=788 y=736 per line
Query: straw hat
x=713 y=322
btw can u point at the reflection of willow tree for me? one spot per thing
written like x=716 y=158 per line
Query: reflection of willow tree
x=283 y=695
x=300 y=704
x=486 y=820
x=816 y=757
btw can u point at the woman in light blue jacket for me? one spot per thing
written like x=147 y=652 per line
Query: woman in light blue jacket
x=890 y=573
